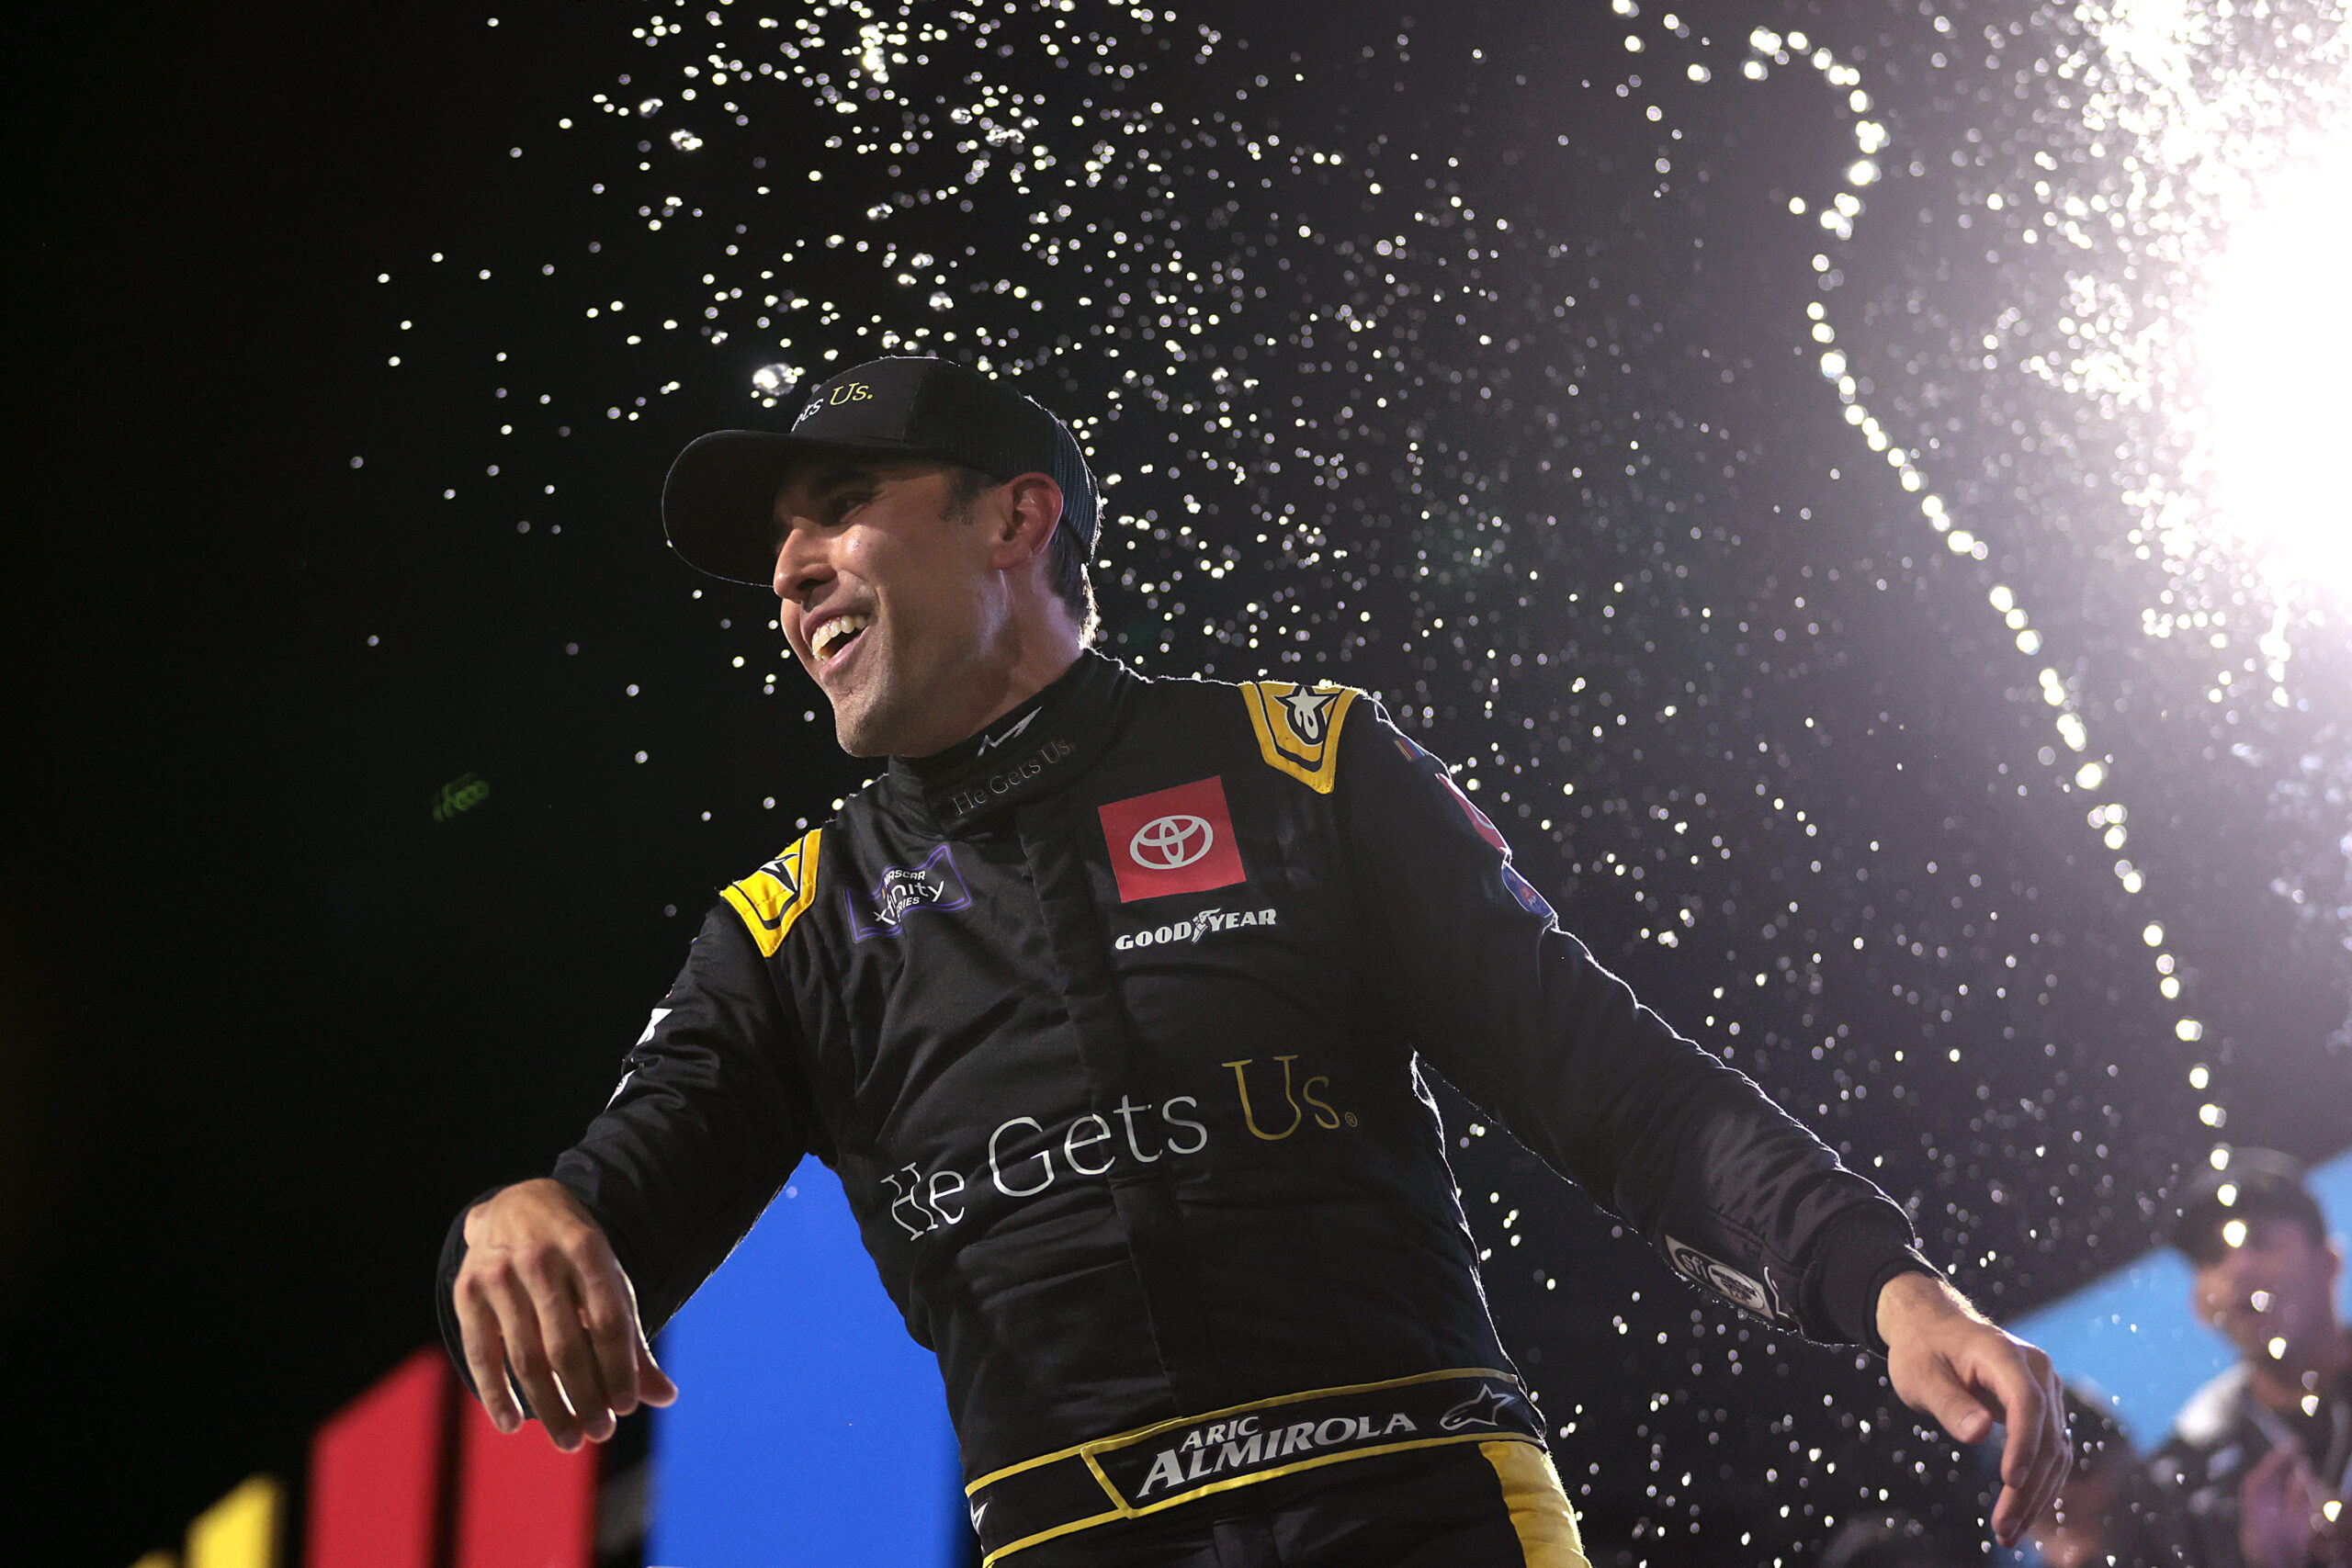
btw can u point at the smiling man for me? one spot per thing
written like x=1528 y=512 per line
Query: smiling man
x=1109 y=1002
x=2258 y=1455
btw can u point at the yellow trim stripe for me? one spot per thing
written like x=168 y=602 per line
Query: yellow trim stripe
x=1197 y=1493
x=1126 y=1440
x=1539 y=1513
x=780 y=892
x=1314 y=763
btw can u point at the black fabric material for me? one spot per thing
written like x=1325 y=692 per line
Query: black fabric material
x=1121 y=1160
x=719 y=502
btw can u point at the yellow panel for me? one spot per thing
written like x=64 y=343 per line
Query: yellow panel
x=1540 y=1513
x=157 y=1559
x=1298 y=727
x=241 y=1530
x=773 y=897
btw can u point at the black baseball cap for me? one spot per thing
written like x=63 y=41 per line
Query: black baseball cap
x=718 y=503
x=2256 y=1181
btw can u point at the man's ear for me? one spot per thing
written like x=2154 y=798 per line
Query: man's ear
x=1033 y=506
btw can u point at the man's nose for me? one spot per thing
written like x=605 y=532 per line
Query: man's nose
x=800 y=564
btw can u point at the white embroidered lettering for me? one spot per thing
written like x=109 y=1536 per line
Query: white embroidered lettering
x=1165 y=1472
x=1073 y=1143
x=997 y=1170
x=1167 y=1115
x=941 y=1189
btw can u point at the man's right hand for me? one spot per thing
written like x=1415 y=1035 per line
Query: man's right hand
x=2278 y=1511
x=540 y=1291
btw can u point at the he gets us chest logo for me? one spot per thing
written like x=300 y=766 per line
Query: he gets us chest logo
x=1025 y=1156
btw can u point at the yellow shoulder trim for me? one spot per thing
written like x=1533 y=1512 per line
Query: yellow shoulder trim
x=777 y=894
x=1298 y=727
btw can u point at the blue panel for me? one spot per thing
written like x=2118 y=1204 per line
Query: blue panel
x=810 y=1430
x=2133 y=1333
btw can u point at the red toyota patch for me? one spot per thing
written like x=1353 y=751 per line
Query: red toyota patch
x=1173 y=840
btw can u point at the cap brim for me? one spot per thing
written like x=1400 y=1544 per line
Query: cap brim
x=718 y=503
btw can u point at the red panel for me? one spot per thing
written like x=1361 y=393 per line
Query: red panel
x=1172 y=840
x=521 y=1502
x=375 y=1471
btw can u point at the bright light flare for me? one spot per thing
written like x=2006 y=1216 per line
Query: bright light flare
x=2276 y=343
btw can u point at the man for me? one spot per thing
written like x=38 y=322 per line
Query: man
x=1107 y=1002
x=2260 y=1458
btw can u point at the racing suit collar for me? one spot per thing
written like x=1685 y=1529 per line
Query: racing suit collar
x=1033 y=751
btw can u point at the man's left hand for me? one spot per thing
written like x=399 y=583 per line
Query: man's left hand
x=1946 y=1361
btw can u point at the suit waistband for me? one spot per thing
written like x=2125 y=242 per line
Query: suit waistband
x=1130 y=1474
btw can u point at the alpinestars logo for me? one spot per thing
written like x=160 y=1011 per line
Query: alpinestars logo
x=1309 y=712
x=1484 y=1409
x=988 y=741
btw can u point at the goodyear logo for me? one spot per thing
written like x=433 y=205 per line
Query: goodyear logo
x=1298 y=727
x=773 y=897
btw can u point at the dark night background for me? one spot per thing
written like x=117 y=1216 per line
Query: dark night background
x=264 y=1022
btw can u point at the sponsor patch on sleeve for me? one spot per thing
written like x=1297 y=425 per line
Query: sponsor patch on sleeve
x=1739 y=1289
x=1298 y=727
x=1517 y=886
x=1173 y=840
x=780 y=892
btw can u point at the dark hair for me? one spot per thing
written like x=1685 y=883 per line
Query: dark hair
x=1066 y=554
x=2256 y=1182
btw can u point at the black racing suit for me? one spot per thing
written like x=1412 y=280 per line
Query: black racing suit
x=1112 y=1021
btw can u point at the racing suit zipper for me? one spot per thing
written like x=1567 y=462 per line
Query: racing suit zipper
x=1144 y=1198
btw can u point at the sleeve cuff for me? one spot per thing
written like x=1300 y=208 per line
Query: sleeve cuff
x=1857 y=1256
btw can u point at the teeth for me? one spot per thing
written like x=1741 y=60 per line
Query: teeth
x=835 y=632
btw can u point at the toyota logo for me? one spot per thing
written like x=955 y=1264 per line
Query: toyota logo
x=1171 y=843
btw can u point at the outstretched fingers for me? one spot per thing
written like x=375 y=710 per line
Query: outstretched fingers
x=541 y=1295
x=2035 y=1457
x=485 y=1347
x=555 y=1295
x=653 y=1385
x=606 y=1312
x=528 y=1358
